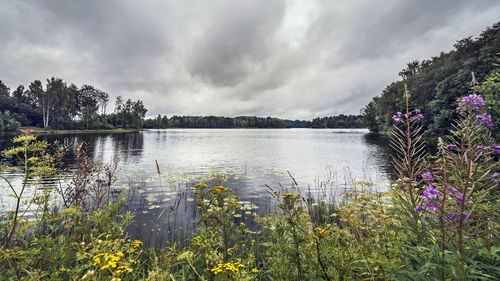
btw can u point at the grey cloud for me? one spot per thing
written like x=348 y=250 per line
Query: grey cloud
x=238 y=36
x=285 y=58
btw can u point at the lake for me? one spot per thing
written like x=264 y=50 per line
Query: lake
x=324 y=162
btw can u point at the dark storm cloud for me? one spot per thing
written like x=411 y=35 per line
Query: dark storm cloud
x=287 y=58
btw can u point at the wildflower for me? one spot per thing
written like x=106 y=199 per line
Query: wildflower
x=220 y=189
x=290 y=196
x=496 y=147
x=426 y=218
x=430 y=193
x=427 y=177
x=397 y=119
x=451 y=146
x=471 y=102
x=319 y=231
x=97 y=259
x=227 y=267
x=242 y=224
x=136 y=244
x=432 y=206
x=255 y=270
x=417 y=115
x=419 y=208
x=458 y=196
x=494 y=178
x=480 y=147
x=200 y=185
x=123 y=268
x=484 y=119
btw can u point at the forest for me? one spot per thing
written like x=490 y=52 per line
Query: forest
x=339 y=121
x=61 y=106
x=436 y=84
x=163 y=122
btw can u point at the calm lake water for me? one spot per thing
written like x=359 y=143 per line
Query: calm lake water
x=324 y=162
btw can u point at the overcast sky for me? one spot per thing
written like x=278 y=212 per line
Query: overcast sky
x=289 y=59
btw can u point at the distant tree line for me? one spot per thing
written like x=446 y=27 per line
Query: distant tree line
x=163 y=122
x=436 y=84
x=339 y=121
x=59 y=105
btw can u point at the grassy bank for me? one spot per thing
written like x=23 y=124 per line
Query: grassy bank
x=41 y=131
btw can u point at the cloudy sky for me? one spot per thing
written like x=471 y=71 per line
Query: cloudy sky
x=284 y=58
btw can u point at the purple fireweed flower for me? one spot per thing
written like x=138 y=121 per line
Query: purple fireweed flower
x=429 y=193
x=397 y=119
x=419 y=208
x=480 y=147
x=465 y=215
x=496 y=147
x=451 y=190
x=440 y=217
x=451 y=146
x=471 y=102
x=494 y=178
x=484 y=119
x=458 y=196
x=427 y=177
x=452 y=217
x=417 y=117
x=432 y=206
x=400 y=117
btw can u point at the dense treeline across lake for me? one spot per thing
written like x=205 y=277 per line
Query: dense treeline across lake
x=339 y=121
x=436 y=84
x=61 y=106
x=163 y=122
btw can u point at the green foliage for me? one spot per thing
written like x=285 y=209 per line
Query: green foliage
x=8 y=123
x=162 y=122
x=63 y=106
x=437 y=83
x=339 y=121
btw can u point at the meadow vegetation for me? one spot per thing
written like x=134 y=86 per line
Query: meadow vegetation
x=438 y=221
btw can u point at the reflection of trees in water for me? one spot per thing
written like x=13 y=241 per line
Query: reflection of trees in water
x=128 y=146
x=381 y=151
x=103 y=147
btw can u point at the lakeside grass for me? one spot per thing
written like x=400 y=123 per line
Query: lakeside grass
x=41 y=131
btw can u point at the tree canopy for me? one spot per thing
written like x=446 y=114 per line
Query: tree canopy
x=436 y=84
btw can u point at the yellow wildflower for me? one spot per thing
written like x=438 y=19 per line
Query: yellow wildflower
x=123 y=268
x=220 y=189
x=136 y=244
x=200 y=185
x=319 y=231
x=290 y=196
